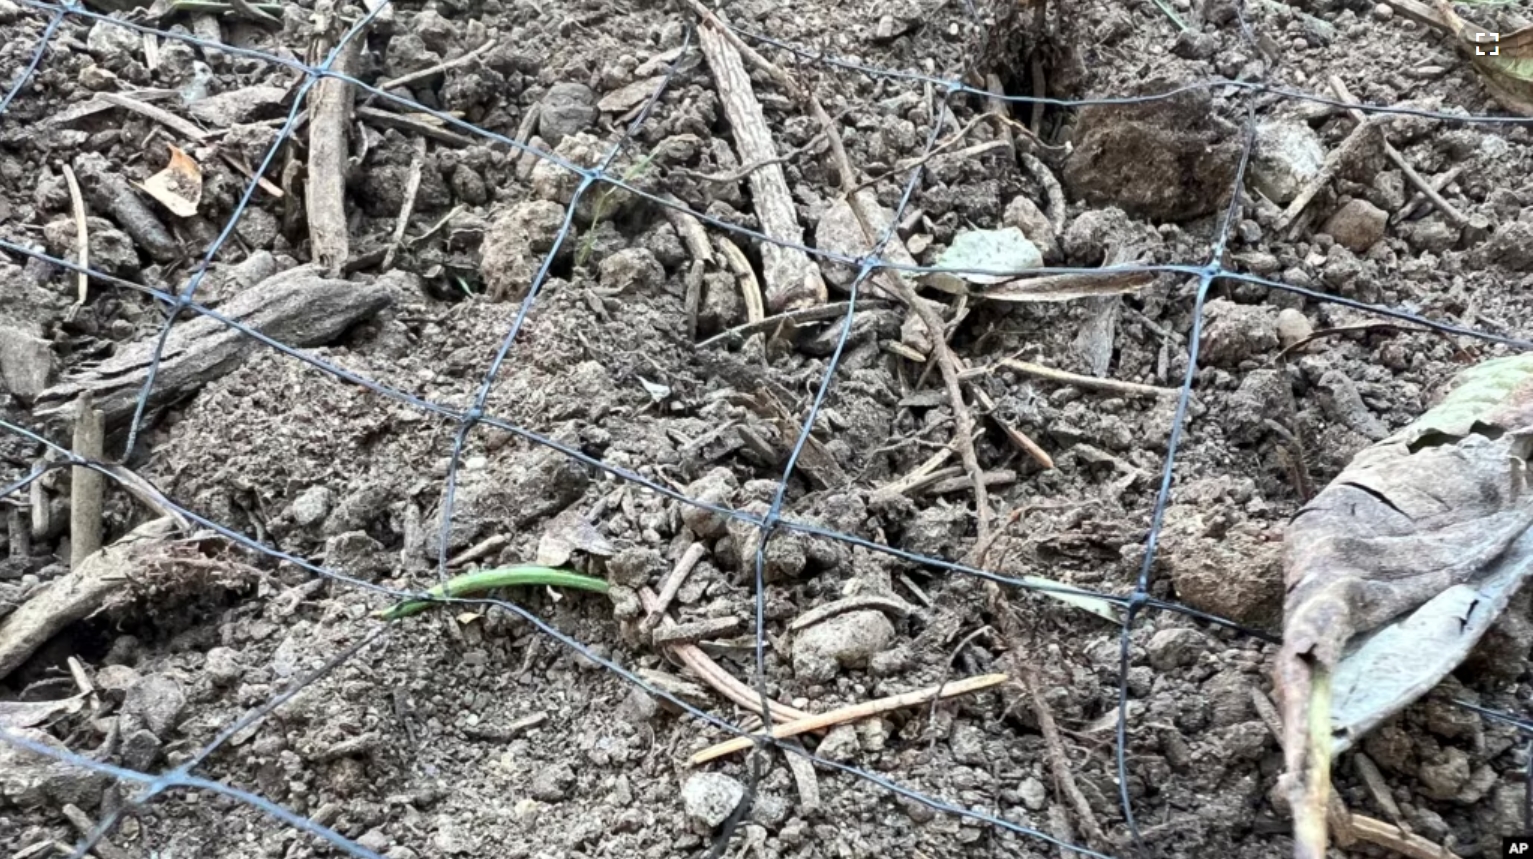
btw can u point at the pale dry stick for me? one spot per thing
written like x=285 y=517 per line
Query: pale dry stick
x=82 y=240
x=918 y=477
x=479 y=550
x=996 y=106
x=164 y=117
x=1421 y=185
x=792 y=279
x=432 y=230
x=37 y=498
x=412 y=77
x=672 y=585
x=915 y=590
x=745 y=275
x=996 y=477
x=963 y=420
x=86 y=485
x=1053 y=193
x=1018 y=438
x=1131 y=389
x=330 y=111
x=853 y=713
x=1440 y=183
x=20 y=532
x=1333 y=161
x=710 y=672
x=412 y=188
x=266 y=184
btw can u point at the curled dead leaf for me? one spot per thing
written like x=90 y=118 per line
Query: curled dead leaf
x=1397 y=569
x=179 y=186
x=1504 y=60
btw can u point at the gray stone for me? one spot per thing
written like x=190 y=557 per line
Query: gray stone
x=140 y=749
x=1345 y=405
x=26 y=363
x=1444 y=775
x=114 y=681
x=239 y=106
x=716 y=487
x=514 y=243
x=311 y=507
x=553 y=783
x=1288 y=154
x=375 y=840
x=566 y=109
x=1512 y=246
x=634 y=269
x=112 y=42
x=1293 y=327
x=1431 y=235
x=840 y=744
x=356 y=554
x=1025 y=215
x=636 y=567
x=1035 y=797
x=968 y=744
x=838 y=231
x=222 y=665
x=846 y=640
x=709 y=798
x=1357 y=226
x=1174 y=648
x=1236 y=332
x=156 y=700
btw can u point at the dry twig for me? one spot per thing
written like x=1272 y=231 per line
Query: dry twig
x=86 y=485
x=164 y=117
x=412 y=187
x=412 y=77
x=82 y=240
x=1132 y=389
x=330 y=114
x=853 y=713
x=792 y=278
x=1421 y=185
x=672 y=584
x=1354 y=141
x=710 y=672
x=1018 y=438
x=745 y=275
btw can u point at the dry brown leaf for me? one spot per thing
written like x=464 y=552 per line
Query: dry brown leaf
x=1397 y=569
x=179 y=186
x=1504 y=60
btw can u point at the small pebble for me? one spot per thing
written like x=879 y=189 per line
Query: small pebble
x=1383 y=12
x=709 y=798
x=1293 y=327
